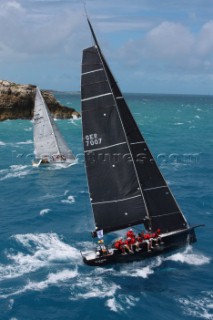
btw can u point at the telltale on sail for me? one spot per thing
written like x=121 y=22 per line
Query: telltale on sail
x=126 y=192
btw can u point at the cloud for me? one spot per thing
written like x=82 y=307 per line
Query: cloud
x=205 y=40
x=168 y=40
x=42 y=40
x=8 y=7
x=26 y=32
x=173 y=46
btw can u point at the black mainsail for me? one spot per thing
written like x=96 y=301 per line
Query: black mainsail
x=125 y=184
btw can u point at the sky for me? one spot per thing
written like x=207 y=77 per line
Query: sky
x=152 y=46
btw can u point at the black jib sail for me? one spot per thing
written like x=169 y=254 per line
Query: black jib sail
x=126 y=186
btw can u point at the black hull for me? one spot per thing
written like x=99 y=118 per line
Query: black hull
x=170 y=242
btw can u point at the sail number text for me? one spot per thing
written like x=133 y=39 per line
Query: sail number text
x=92 y=139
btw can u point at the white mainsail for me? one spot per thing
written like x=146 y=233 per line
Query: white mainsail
x=48 y=142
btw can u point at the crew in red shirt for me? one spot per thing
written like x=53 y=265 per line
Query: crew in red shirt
x=119 y=244
x=130 y=234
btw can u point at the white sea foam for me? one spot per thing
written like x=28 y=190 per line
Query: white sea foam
x=141 y=270
x=28 y=129
x=93 y=287
x=113 y=305
x=201 y=307
x=75 y=120
x=25 y=142
x=11 y=303
x=98 y=284
x=18 y=167
x=142 y=273
x=178 y=123
x=189 y=257
x=43 y=250
x=66 y=192
x=44 y=211
x=59 y=166
x=2 y=143
x=53 y=279
x=69 y=200
x=16 y=171
x=50 y=196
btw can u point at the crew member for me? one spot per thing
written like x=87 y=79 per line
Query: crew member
x=130 y=234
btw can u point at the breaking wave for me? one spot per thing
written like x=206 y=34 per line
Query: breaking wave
x=15 y=171
x=42 y=251
x=189 y=257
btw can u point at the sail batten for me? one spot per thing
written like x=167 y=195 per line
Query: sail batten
x=96 y=97
x=117 y=200
x=93 y=71
x=107 y=147
x=154 y=188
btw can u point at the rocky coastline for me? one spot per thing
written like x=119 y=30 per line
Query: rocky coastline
x=17 y=102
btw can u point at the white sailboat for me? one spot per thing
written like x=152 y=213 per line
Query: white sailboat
x=49 y=145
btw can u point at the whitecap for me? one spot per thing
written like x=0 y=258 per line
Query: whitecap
x=93 y=287
x=53 y=279
x=2 y=143
x=178 y=123
x=16 y=171
x=18 y=167
x=140 y=270
x=69 y=200
x=199 y=307
x=113 y=305
x=25 y=142
x=44 y=211
x=142 y=273
x=189 y=257
x=10 y=304
x=28 y=129
x=59 y=166
x=43 y=250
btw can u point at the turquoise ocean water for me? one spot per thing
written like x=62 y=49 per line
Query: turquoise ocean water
x=46 y=219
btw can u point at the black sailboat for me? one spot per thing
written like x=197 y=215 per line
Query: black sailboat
x=125 y=184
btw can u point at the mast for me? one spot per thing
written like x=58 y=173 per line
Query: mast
x=159 y=205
